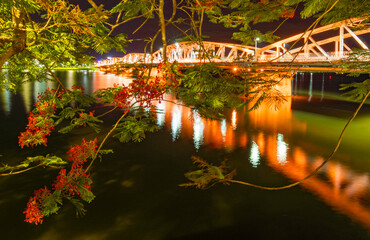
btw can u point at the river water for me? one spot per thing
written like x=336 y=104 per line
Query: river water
x=136 y=188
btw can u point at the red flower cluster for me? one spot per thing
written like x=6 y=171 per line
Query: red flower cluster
x=122 y=97
x=168 y=73
x=70 y=182
x=40 y=124
x=33 y=212
x=78 y=154
x=288 y=13
x=78 y=89
x=147 y=91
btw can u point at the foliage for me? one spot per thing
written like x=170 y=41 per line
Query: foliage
x=264 y=87
x=37 y=34
x=46 y=161
x=245 y=14
x=133 y=128
x=210 y=89
x=357 y=62
x=357 y=90
x=208 y=174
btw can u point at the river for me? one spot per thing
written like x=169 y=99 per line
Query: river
x=136 y=188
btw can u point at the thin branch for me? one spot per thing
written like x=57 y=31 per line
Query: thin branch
x=21 y=171
x=111 y=110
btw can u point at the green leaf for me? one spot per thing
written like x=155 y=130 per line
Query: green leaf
x=86 y=195
x=358 y=90
x=50 y=203
x=80 y=210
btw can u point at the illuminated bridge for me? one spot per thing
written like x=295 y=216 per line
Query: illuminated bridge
x=325 y=44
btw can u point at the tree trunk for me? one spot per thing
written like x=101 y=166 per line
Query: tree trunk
x=163 y=30
x=18 y=41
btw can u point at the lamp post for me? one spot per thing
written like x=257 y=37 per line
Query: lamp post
x=255 y=48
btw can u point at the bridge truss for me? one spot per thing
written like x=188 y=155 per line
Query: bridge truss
x=329 y=43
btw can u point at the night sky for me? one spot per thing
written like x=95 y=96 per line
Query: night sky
x=216 y=32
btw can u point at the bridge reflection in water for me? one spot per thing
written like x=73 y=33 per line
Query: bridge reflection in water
x=337 y=185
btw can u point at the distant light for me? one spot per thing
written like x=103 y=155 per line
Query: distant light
x=257 y=38
x=235 y=69
x=248 y=69
x=161 y=49
x=109 y=58
x=262 y=70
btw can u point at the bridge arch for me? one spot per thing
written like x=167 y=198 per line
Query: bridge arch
x=326 y=43
x=323 y=44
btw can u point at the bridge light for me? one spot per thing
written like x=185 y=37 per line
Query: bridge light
x=161 y=49
x=177 y=45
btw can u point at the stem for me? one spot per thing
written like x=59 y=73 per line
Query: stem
x=105 y=139
x=21 y=171
x=109 y=111
x=319 y=167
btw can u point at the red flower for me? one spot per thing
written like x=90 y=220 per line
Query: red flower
x=122 y=98
x=61 y=180
x=33 y=211
x=78 y=154
x=40 y=124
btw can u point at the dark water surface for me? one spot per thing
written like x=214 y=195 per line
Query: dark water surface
x=136 y=188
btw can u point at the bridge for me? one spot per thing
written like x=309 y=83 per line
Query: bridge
x=326 y=44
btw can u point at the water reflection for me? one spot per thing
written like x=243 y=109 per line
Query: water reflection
x=198 y=129
x=282 y=149
x=6 y=103
x=254 y=157
x=275 y=136
x=344 y=189
x=176 y=122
